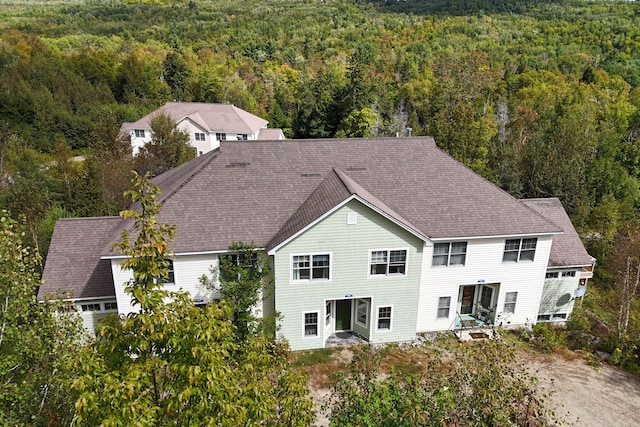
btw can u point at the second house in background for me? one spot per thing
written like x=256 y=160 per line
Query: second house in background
x=206 y=124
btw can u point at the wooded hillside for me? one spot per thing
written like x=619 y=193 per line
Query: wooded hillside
x=542 y=98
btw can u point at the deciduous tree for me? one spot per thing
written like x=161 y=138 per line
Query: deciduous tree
x=172 y=363
x=36 y=340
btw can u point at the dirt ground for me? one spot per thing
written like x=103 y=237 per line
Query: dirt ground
x=581 y=395
x=587 y=396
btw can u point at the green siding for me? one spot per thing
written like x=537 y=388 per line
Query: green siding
x=557 y=295
x=349 y=246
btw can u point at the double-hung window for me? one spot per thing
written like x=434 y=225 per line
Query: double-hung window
x=388 y=263
x=199 y=136
x=444 y=304
x=139 y=133
x=311 y=267
x=450 y=253
x=311 y=324
x=510 y=302
x=171 y=277
x=519 y=249
x=384 y=318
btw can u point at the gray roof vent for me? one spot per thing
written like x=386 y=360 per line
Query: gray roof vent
x=237 y=165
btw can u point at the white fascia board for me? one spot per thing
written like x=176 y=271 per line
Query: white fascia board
x=107 y=298
x=564 y=267
x=212 y=252
x=497 y=236
x=338 y=206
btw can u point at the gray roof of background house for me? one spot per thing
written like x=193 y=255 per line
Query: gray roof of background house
x=210 y=117
x=253 y=192
x=73 y=262
x=270 y=134
x=567 y=248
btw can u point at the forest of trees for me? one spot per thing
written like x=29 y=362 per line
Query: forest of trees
x=540 y=97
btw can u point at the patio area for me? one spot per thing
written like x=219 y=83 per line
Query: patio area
x=342 y=339
x=469 y=328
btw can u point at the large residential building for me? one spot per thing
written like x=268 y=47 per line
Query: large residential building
x=382 y=238
x=206 y=125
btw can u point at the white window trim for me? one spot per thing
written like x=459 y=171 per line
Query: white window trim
x=515 y=303
x=448 y=308
x=317 y=335
x=448 y=264
x=368 y=312
x=104 y=306
x=311 y=279
x=198 y=135
x=520 y=250
x=386 y=276
x=328 y=314
x=378 y=318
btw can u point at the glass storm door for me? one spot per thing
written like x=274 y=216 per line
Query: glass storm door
x=468 y=295
x=343 y=315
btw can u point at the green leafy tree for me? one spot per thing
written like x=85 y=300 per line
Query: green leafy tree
x=242 y=277
x=169 y=147
x=173 y=363
x=36 y=339
x=176 y=74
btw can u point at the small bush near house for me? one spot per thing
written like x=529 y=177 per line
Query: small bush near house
x=548 y=338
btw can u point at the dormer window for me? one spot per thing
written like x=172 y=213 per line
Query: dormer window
x=139 y=133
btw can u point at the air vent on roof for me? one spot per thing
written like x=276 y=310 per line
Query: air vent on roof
x=356 y=168
x=237 y=165
x=309 y=174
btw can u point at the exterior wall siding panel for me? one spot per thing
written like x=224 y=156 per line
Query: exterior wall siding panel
x=350 y=247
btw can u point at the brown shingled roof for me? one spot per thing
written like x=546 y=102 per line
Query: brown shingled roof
x=250 y=191
x=73 y=262
x=210 y=117
x=567 y=248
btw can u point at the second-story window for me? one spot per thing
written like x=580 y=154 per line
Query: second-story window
x=242 y=137
x=450 y=253
x=139 y=133
x=388 y=263
x=221 y=136
x=519 y=250
x=311 y=267
x=199 y=136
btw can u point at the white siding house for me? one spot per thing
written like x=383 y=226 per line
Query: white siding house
x=206 y=125
x=378 y=239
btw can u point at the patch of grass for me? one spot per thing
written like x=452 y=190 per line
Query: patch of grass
x=313 y=357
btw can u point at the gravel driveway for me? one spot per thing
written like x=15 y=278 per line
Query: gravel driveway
x=588 y=396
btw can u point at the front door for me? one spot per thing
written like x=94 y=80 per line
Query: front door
x=343 y=315
x=468 y=296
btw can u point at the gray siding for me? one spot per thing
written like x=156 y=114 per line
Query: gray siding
x=349 y=247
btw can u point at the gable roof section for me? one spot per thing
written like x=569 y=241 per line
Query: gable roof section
x=334 y=190
x=73 y=262
x=252 y=192
x=567 y=248
x=210 y=117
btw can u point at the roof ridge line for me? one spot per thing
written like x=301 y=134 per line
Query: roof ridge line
x=341 y=176
x=190 y=177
